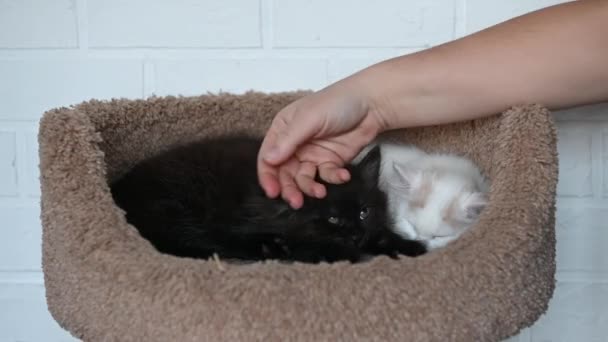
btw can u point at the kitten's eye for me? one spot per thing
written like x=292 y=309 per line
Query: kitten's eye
x=364 y=213
x=333 y=220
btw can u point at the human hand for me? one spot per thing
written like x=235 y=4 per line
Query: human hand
x=317 y=134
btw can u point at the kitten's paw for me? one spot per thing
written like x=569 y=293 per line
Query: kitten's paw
x=393 y=246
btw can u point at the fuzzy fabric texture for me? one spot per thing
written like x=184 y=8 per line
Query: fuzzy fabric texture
x=104 y=282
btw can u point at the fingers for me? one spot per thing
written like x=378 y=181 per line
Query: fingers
x=289 y=189
x=269 y=180
x=287 y=131
x=334 y=174
x=305 y=179
x=296 y=178
x=268 y=175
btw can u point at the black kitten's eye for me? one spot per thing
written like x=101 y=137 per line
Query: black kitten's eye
x=364 y=213
x=333 y=220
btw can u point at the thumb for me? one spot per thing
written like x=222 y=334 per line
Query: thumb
x=283 y=138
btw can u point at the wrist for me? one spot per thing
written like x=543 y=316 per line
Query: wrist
x=364 y=86
x=395 y=92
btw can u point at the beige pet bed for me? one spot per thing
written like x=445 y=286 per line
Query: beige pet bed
x=106 y=283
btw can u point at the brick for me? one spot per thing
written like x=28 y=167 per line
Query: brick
x=237 y=76
x=31 y=87
x=485 y=13
x=20 y=238
x=38 y=24
x=25 y=317
x=582 y=235
x=577 y=312
x=182 y=23
x=575 y=170
x=361 y=23
x=8 y=164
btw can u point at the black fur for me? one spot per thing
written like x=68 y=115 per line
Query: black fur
x=203 y=199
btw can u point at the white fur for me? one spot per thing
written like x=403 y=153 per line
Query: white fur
x=447 y=183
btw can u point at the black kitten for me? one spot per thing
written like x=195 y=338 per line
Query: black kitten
x=204 y=198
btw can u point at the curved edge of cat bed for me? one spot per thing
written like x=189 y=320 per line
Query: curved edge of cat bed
x=105 y=282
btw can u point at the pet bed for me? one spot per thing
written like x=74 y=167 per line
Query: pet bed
x=104 y=282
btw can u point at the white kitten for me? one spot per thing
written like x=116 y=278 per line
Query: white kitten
x=432 y=198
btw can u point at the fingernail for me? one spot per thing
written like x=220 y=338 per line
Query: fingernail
x=345 y=175
x=295 y=204
x=273 y=154
x=271 y=193
x=320 y=191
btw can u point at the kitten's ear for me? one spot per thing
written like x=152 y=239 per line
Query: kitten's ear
x=369 y=166
x=474 y=205
x=406 y=176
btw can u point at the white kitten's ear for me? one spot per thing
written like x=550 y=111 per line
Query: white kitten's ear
x=474 y=205
x=405 y=175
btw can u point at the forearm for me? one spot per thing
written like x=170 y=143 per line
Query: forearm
x=557 y=57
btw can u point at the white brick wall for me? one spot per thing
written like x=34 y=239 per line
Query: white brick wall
x=361 y=23
x=56 y=53
x=182 y=23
